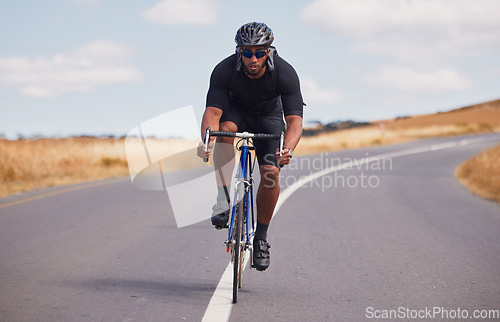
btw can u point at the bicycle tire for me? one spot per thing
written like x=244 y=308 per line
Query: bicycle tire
x=237 y=243
x=243 y=234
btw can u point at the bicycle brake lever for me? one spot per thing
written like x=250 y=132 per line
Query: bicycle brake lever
x=207 y=139
x=282 y=140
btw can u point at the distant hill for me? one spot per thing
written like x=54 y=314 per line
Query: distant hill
x=477 y=118
x=487 y=105
x=485 y=114
x=330 y=127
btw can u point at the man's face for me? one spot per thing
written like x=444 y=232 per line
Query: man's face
x=254 y=66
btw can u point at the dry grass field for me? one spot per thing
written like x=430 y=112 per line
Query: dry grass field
x=373 y=135
x=481 y=118
x=481 y=174
x=31 y=164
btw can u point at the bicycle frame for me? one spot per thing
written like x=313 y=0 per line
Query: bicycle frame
x=245 y=171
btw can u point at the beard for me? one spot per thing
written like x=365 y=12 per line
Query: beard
x=253 y=71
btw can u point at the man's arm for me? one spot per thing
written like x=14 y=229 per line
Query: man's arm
x=292 y=138
x=291 y=97
x=211 y=119
x=293 y=131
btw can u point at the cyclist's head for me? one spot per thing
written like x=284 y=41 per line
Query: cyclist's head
x=254 y=34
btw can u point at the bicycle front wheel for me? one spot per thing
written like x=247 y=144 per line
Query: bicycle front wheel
x=238 y=245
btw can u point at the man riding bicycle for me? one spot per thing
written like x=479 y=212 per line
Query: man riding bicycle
x=252 y=90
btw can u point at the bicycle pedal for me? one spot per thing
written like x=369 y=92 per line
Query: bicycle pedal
x=218 y=227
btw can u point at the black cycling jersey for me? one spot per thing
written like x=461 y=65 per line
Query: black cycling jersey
x=256 y=105
x=254 y=94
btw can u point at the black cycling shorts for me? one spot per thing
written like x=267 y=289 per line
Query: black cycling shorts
x=268 y=123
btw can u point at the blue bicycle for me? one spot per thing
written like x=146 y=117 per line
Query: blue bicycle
x=242 y=224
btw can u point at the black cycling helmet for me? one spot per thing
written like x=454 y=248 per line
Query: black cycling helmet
x=254 y=34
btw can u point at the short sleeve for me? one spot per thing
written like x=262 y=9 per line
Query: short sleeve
x=289 y=88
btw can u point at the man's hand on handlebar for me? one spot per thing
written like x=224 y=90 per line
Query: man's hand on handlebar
x=285 y=156
x=202 y=150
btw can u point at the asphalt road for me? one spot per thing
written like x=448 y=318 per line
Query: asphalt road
x=398 y=233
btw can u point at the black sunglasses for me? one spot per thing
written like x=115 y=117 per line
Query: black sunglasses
x=258 y=54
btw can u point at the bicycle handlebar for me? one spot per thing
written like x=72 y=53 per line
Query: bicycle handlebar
x=246 y=135
x=243 y=135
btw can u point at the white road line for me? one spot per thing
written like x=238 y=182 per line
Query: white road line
x=443 y=145
x=219 y=308
x=220 y=305
x=313 y=176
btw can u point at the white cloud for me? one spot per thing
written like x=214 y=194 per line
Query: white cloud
x=191 y=12
x=359 y=18
x=314 y=94
x=410 y=79
x=411 y=29
x=82 y=69
x=495 y=71
x=431 y=44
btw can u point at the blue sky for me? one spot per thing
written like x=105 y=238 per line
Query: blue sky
x=73 y=67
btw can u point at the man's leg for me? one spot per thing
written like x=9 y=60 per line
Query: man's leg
x=224 y=155
x=224 y=165
x=268 y=193
x=267 y=196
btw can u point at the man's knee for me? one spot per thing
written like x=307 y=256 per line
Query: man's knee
x=269 y=175
x=229 y=127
